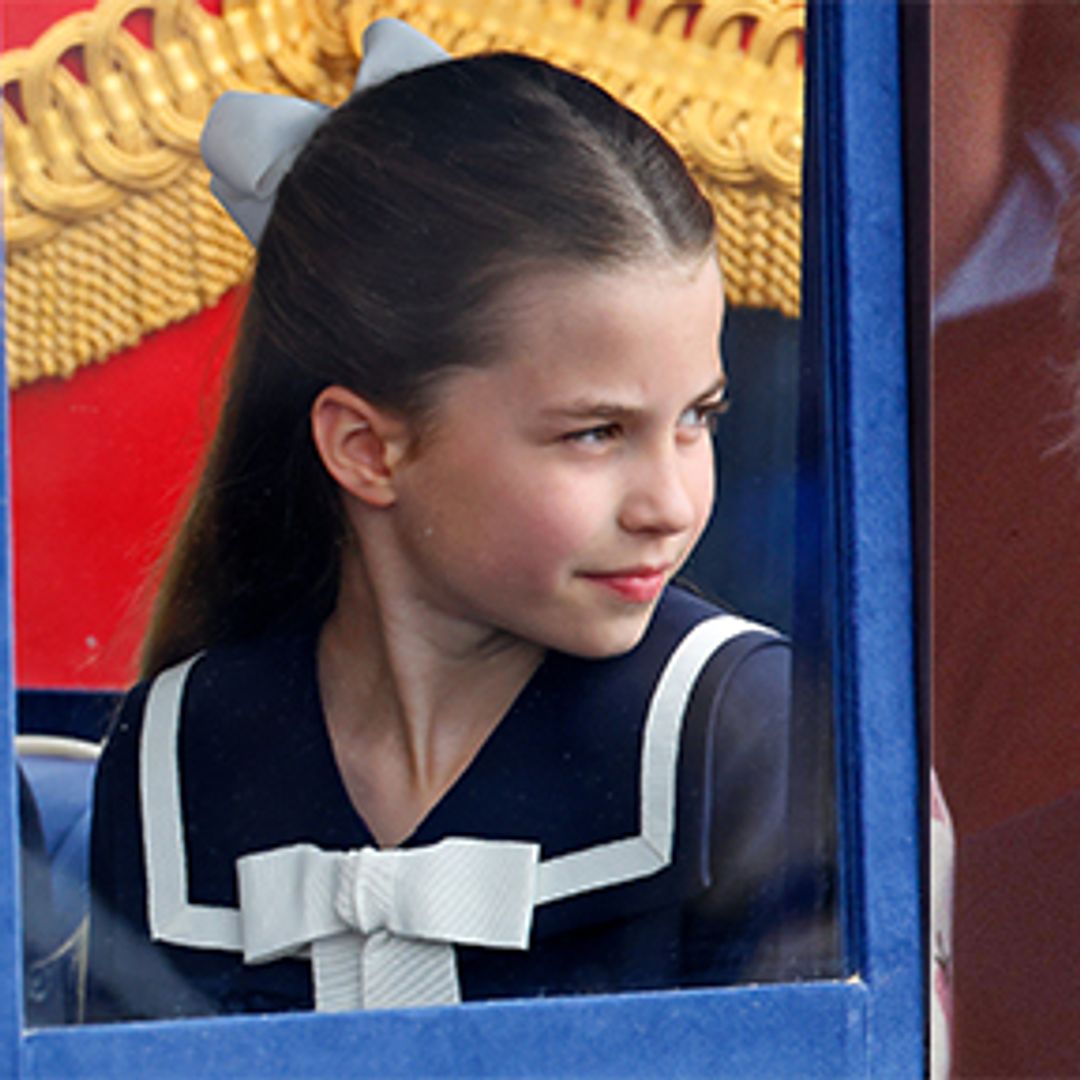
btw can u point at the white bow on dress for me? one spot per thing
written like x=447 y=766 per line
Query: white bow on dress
x=381 y=925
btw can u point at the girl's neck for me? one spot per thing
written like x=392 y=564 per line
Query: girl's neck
x=409 y=698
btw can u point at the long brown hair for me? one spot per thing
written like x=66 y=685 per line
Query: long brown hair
x=380 y=270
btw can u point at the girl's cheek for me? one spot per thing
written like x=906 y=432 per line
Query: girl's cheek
x=570 y=511
x=549 y=538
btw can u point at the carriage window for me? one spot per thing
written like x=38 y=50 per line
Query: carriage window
x=466 y=624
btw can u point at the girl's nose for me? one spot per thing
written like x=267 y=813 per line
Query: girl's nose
x=665 y=493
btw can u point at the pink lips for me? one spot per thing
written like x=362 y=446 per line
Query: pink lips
x=640 y=584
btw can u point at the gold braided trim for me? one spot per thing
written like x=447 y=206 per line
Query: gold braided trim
x=111 y=231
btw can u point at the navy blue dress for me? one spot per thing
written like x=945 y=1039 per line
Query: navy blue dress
x=255 y=772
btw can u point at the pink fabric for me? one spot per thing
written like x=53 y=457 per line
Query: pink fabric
x=942 y=868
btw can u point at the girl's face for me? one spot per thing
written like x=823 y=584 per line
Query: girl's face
x=561 y=487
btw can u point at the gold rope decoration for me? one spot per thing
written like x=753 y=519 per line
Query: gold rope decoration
x=112 y=233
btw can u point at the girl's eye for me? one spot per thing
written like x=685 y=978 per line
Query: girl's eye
x=704 y=415
x=593 y=436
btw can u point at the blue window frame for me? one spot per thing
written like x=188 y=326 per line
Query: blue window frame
x=869 y=1024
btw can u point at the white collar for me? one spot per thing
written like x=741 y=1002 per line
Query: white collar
x=173 y=918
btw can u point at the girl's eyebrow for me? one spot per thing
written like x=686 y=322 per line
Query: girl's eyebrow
x=587 y=408
x=607 y=410
x=717 y=390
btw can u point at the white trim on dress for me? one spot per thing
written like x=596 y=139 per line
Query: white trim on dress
x=173 y=918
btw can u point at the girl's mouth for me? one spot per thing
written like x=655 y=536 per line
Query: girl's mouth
x=639 y=584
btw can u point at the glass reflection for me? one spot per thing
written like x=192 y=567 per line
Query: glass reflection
x=498 y=532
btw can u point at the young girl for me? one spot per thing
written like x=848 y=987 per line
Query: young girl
x=424 y=719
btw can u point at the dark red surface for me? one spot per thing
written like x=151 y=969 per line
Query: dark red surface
x=1017 y=932
x=1006 y=684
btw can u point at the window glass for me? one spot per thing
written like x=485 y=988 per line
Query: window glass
x=684 y=815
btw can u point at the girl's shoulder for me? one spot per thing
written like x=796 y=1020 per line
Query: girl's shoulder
x=689 y=625
x=742 y=652
x=739 y=671
x=250 y=681
x=221 y=743
x=226 y=716
x=650 y=743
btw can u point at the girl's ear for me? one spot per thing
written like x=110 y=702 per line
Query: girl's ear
x=359 y=443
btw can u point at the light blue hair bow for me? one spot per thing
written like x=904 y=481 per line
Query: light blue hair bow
x=250 y=141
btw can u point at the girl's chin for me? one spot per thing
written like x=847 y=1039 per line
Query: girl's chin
x=610 y=637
